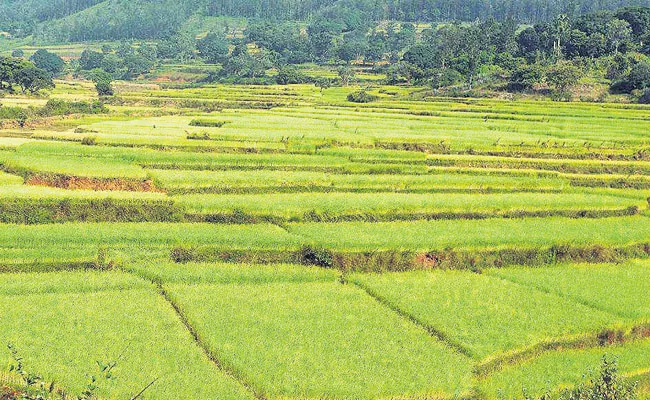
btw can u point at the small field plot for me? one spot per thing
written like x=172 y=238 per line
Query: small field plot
x=142 y=235
x=10 y=179
x=320 y=340
x=226 y=273
x=63 y=333
x=161 y=132
x=12 y=142
x=16 y=191
x=71 y=166
x=68 y=282
x=396 y=206
x=474 y=235
x=296 y=181
x=15 y=257
x=558 y=369
x=566 y=166
x=621 y=289
x=484 y=315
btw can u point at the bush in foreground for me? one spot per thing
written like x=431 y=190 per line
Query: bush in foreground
x=608 y=385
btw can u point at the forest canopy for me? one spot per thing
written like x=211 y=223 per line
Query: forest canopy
x=82 y=20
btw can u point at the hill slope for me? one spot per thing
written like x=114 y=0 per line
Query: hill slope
x=81 y=20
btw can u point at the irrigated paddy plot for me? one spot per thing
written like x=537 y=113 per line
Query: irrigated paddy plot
x=90 y=318
x=272 y=334
x=281 y=242
x=483 y=315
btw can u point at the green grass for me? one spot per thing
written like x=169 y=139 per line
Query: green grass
x=222 y=273
x=274 y=181
x=61 y=335
x=320 y=340
x=484 y=315
x=9 y=179
x=569 y=166
x=563 y=368
x=16 y=256
x=482 y=234
x=298 y=156
x=621 y=289
x=12 y=142
x=134 y=235
x=296 y=205
x=19 y=191
x=82 y=167
x=68 y=282
x=342 y=237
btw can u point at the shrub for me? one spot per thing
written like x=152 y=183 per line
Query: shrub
x=317 y=257
x=362 y=96
x=199 y=136
x=290 y=76
x=525 y=77
x=645 y=97
x=62 y=107
x=103 y=82
x=637 y=79
x=89 y=141
x=11 y=112
x=445 y=77
x=562 y=77
x=608 y=385
x=182 y=255
x=206 y=123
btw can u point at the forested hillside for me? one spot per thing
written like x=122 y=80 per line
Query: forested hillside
x=79 y=20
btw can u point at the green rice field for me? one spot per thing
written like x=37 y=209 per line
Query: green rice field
x=281 y=242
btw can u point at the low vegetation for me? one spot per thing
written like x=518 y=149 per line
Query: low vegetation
x=336 y=205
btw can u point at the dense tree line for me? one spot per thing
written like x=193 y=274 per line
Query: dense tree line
x=554 y=55
x=21 y=16
x=503 y=54
x=17 y=72
x=79 y=20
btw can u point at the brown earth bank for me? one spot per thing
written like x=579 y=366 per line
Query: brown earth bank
x=110 y=184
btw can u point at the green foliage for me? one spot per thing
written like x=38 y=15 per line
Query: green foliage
x=102 y=82
x=362 y=96
x=525 y=77
x=483 y=315
x=446 y=77
x=87 y=325
x=213 y=48
x=63 y=107
x=608 y=385
x=34 y=383
x=207 y=123
x=31 y=211
x=47 y=61
x=616 y=288
x=562 y=77
x=243 y=64
x=638 y=78
x=645 y=97
x=89 y=141
x=24 y=74
x=290 y=76
x=260 y=324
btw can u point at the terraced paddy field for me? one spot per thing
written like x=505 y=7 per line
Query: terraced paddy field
x=280 y=242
